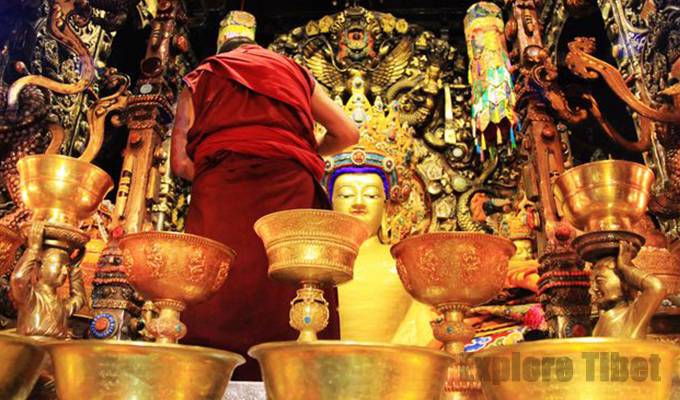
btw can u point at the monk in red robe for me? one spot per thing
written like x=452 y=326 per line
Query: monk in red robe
x=244 y=135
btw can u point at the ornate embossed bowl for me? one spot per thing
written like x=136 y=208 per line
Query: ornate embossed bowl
x=21 y=359
x=61 y=189
x=583 y=368
x=604 y=195
x=9 y=244
x=335 y=370
x=175 y=266
x=115 y=370
x=311 y=245
x=453 y=268
x=172 y=270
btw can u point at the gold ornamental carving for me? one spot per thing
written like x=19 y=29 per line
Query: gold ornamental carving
x=406 y=91
x=197 y=268
x=156 y=260
x=222 y=272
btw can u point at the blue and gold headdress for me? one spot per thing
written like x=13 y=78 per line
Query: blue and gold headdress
x=362 y=161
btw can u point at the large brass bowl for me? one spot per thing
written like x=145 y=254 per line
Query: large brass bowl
x=604 y=195
x=311 y=245
x=453 y=268
x=114 y=370
x=334 y=370
x=9 y=244
x=20 y=360
x=61 y=189
x=175 y=266
x=573 y=369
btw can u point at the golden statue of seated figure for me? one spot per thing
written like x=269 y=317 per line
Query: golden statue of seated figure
x=623 y=312
x=373 y=306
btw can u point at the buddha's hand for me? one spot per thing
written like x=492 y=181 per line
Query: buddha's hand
x=626 y=255
x=35 y=236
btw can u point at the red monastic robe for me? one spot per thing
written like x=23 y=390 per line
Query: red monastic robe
x=254 y=153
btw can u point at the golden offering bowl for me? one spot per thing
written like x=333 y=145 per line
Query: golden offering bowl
x=576 y=369
x=453 y=268
x=335 y=370
x=61 y=189
x=21 y=358
x=312 y=248
x=174 y=269
x=311 y=245
x=9 y=244
x=453 y=271
x=117 y=370
x=604 y=195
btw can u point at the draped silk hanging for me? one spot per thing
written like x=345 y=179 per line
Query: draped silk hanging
x=493 y=98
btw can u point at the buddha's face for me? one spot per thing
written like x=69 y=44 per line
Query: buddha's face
x=360 y=195
x=607 y=287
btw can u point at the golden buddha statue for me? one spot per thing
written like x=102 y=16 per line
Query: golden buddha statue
x=34 y=283
x=616 y=281
x=373 y=306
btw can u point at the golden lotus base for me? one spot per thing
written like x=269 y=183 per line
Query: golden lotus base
x=21 y=359
x=577 y=369
x=89 y=369
x=335 y=370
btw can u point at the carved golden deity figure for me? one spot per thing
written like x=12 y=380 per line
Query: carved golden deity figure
x=374 y=306
x=616 y=281
x=519 y=226
x=35 y=280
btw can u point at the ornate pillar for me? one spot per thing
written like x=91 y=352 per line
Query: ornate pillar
x=563 y=285
x=149 y=112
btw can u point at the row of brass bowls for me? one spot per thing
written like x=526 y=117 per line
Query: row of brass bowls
x=334 y=370
x=322 y=370
x=340 y=370
x=506 y=372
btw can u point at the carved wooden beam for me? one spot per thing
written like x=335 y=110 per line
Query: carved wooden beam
x=566 y=301
x=581 y=62
x=149 y=109
x=96 y=115
x=62 y=12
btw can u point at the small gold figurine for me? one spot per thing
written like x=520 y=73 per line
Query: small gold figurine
x=35 y=280
x=616 y=282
